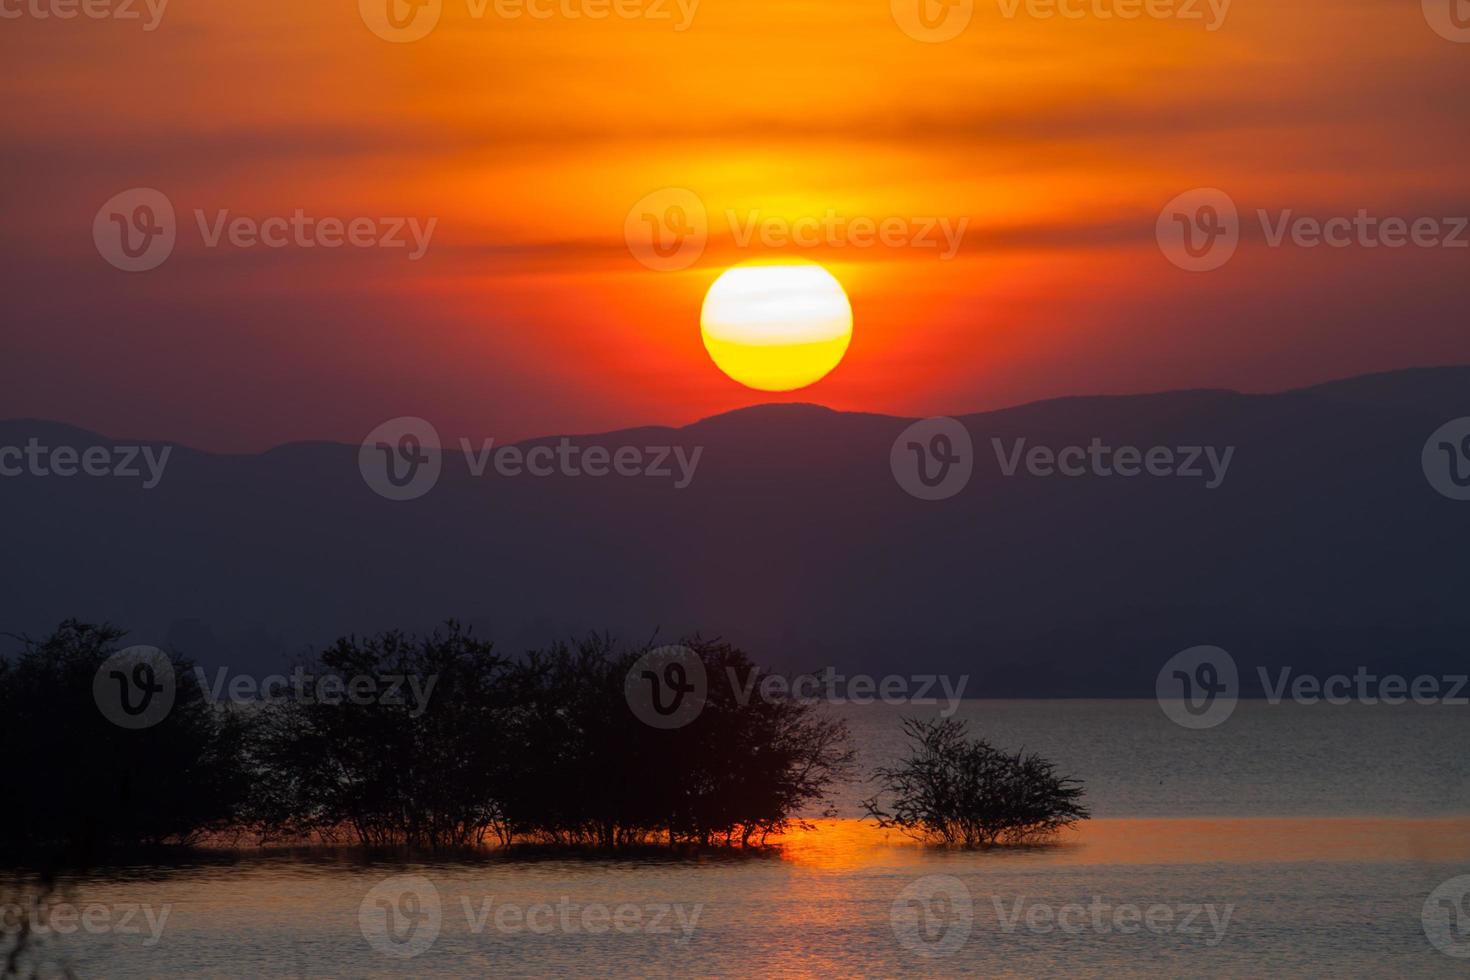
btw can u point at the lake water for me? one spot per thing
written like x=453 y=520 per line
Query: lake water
x=1293 y=840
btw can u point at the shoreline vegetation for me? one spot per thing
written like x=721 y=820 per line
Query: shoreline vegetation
x=535 y=754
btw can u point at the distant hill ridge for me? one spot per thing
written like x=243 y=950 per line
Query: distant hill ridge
x=1324 y=547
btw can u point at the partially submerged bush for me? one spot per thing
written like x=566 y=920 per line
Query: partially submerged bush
x=956 y=790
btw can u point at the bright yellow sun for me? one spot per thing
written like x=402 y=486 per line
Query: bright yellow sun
x=776 y=327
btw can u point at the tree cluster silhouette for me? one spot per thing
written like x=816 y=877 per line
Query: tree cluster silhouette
x=539 y=748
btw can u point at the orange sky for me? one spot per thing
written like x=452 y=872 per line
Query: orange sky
x=1056 y=141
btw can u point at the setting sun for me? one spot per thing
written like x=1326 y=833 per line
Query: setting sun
x=776 y=327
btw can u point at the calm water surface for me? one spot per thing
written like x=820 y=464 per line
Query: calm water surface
x=1293 y=840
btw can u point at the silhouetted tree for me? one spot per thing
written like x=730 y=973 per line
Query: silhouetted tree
x=955 y=790
x=589 y=771
x=416 y=756
x=91 y=786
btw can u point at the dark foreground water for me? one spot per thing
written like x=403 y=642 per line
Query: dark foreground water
x=1291 y=841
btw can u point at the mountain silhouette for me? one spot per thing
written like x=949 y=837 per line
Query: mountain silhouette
x=1324 y=547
